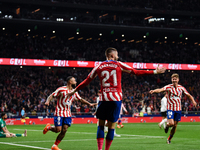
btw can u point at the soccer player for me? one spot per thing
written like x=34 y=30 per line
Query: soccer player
x=174 y=93
x=120 y=116
x=163 y=111
x=62 y=119
x=4 y=131
x=110 y=74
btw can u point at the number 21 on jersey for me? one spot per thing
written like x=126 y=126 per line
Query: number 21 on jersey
x=108 y=75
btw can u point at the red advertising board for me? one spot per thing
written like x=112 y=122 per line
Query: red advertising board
x=44 y=121
x=91 y=64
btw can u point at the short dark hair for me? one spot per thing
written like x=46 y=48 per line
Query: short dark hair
x=3 y=114
x=109 y=50
x=69 y=78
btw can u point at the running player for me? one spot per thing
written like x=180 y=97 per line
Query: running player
x=62 y=119
x=163 y=111
x=174 y=93
x=110 y=74
x=120 y=116
x=4 y=131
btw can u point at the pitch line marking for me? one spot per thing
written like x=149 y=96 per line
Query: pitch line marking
x=116 y=138
x=35 y=147
x=146 y=136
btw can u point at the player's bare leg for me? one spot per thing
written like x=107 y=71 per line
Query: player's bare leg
x=172 y=132
x=164 y=119
x=110 y=134
x=100 y=133
x=48 y=127
x=170 y=123
x=60 y=136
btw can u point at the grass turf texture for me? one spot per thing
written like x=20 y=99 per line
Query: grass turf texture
x=145 y=136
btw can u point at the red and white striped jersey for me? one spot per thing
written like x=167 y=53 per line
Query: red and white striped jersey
x=110 y=74
x=63 y=108
x=174 y=96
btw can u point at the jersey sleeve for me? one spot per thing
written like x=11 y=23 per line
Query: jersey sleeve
x=166 y=88
x=89 y=78
x=77 y=96
x=56 y=93
x=128 y=69
x=184 y=90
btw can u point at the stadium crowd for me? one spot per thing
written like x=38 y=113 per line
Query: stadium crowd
x=102 y=16
x=29 y=87
x=187 y=5
x=39 y=47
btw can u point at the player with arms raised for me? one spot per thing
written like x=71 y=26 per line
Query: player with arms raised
x=62 y=119
x=110 y=74
x=174 y=93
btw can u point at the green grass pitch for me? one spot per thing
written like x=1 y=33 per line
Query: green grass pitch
x=134 y=136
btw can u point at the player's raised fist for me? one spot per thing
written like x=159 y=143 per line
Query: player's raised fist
x=151 y=91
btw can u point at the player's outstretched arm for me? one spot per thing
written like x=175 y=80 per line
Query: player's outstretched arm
x=81 y=85
x=156 y=91
x=49 y=99
x=192 y=99
x=5 y=130
x=128 y=69
x=88 y=103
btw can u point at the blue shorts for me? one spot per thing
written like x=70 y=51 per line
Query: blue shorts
x=109 y=110
x=176 y=115
x=60 y=121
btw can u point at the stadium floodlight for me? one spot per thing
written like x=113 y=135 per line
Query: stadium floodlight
x=44 y=18
x=165 y=38
x=6 y=16
x=3 y=28
x=186 y=38
x=0 y=12
x=53 y=31
x=49 y=67
x=21 y=67
x=71 y=18
x=10 y=17
x=144 y=36
x=100 y=34
x=122 y=35
x=29 y=30
x=77 y=32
